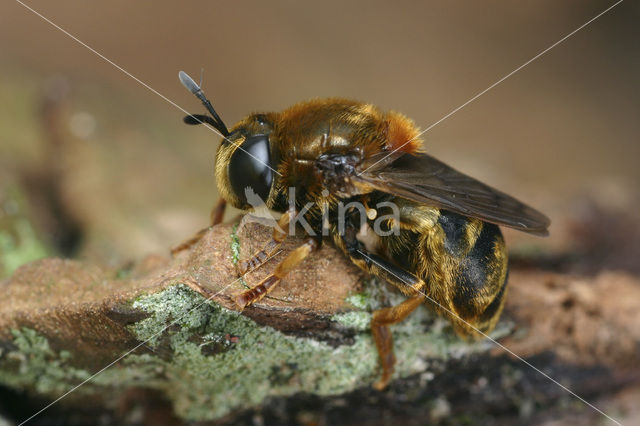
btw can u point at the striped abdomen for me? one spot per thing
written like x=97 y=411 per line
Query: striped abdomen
x=472 y=266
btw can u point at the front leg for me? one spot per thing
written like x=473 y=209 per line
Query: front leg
x=279 y=235
x=291 y=261
x=216 y=216
x=217 y=213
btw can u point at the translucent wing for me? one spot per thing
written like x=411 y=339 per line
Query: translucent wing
x=424 y=179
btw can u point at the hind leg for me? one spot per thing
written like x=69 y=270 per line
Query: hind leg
x=380 y=323
x=407 y=283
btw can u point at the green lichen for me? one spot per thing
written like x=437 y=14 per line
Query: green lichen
x=358 y=320
x=235 y=251
x=33 y=364
x=376 y=295
x=21 y=249
x=18 y=241
x=235 y=245
x=263 y=362
x=358 y=300
x=210 y=361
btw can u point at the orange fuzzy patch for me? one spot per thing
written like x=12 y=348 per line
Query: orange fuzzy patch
x=401 y=134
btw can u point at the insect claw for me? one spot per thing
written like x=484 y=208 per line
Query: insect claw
x=380 y=385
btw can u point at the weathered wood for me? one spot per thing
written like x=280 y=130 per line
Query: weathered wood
x=306 y=348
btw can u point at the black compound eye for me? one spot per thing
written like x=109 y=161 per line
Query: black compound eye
x=250 y=166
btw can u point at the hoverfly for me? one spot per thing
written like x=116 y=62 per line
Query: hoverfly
x=448 y=247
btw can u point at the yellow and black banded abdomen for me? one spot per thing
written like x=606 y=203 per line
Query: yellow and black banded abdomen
x=473 y=268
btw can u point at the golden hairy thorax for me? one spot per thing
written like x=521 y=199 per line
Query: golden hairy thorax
x=299 y=134
x=340 y=124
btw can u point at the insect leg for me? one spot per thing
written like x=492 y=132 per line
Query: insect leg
x=380 y=322
x=291 y=261
x=279 y=235
x=383 y=318
x=218 y=212
x=216 y=217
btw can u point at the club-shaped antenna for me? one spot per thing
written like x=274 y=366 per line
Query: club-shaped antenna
x=216 y=121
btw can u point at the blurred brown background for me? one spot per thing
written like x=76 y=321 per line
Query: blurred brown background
x=94 y=165
x=130 y=178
